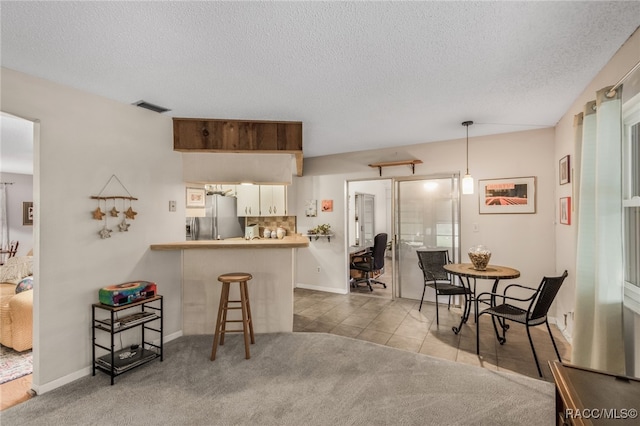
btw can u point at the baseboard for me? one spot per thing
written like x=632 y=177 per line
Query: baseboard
x=555 y=322
x=41 y=389
x=321 y=288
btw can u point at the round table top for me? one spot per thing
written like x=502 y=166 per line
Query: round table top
x=492 y=272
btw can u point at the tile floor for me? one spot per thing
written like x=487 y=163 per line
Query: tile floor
x=399 y=324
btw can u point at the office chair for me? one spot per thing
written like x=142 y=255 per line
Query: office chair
x=371 y=261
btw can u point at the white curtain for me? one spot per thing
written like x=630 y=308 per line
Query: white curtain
x=598 y=336
x=4 y=229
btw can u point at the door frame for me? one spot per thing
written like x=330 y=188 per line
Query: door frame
x=347 y=226
x=456 y=212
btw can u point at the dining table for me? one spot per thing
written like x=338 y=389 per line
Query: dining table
x=467 y=272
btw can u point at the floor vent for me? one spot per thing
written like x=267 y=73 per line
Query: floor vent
x=152 y=107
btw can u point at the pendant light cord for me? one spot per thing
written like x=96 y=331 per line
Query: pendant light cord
x=467 y=124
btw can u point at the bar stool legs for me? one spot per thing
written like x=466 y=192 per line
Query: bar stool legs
x=244 y=305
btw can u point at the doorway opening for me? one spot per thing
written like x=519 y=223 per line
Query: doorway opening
x=18 y=225
x=369 y=213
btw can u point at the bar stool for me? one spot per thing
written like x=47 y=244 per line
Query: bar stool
x=221 y=324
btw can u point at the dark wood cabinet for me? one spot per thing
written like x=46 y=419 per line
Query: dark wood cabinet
x=590 y=397
x=239 y=136
x=236 y=135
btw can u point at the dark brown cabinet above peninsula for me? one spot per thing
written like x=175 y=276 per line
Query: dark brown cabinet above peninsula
x=239 y=136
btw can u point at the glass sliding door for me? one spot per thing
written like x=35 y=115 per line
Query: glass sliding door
x=427 y=216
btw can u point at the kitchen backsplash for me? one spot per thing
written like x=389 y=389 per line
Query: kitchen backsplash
x=273 y=222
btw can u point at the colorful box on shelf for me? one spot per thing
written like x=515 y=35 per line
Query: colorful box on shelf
x=122 y=294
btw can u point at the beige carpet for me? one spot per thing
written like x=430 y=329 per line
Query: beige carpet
x=294 y=379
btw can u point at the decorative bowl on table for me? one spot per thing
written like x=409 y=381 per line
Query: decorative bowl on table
x=479 y=256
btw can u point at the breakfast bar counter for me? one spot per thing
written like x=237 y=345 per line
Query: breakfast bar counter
x=271 y=262
x=290 y=241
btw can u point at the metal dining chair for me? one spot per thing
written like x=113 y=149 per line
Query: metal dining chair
x=535 y=314
x=432 y=262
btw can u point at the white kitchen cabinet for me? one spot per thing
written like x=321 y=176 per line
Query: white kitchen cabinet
x=273 y=200
x=248 y=200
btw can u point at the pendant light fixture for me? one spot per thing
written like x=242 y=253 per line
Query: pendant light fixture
x=467 y=180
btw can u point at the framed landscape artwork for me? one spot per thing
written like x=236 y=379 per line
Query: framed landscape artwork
x=565 y=210
x=508 y=195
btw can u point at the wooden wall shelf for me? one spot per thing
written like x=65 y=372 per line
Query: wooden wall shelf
x=411 y=163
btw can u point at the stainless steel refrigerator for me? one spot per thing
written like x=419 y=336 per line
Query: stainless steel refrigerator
x=219 y=222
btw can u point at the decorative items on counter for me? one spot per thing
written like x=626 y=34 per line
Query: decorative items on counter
x=278 y=233
x=129 y=213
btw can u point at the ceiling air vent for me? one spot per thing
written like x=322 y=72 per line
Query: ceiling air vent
x=152 y=107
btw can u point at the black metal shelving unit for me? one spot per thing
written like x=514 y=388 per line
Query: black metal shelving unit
x=148 y=317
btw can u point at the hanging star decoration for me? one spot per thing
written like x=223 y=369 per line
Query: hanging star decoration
x=123 y=226
x=101 y=215
x=130 y=214
x=105 y=232
x=97 y=214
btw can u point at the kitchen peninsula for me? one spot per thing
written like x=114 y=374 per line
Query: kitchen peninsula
x=270 y=261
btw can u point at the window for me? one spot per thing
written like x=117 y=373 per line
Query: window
x=631 y=201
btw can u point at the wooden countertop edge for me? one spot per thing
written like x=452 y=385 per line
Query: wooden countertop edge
x=287 y=242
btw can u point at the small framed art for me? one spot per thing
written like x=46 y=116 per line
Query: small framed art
x=564 y=170
x=311 y=208
x=327 y=205
x=27 y=213
x=565 y=210
x=195 y=197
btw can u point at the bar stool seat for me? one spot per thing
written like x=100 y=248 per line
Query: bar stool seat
x=221 y=324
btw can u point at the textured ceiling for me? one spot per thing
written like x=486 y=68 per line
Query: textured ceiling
x=359 y=75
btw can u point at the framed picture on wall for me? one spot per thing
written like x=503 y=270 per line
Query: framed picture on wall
x=195 y=197
x=508 y=195
x=311 y=208
x=27 y=213
x=564 y=171
x=565 y=210
x=327 y=205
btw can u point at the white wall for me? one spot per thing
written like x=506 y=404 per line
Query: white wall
x=83 y=140
x=523 y=241
x=21 y=191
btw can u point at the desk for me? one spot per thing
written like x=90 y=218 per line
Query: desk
x=467 y=271
x=590 y=397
